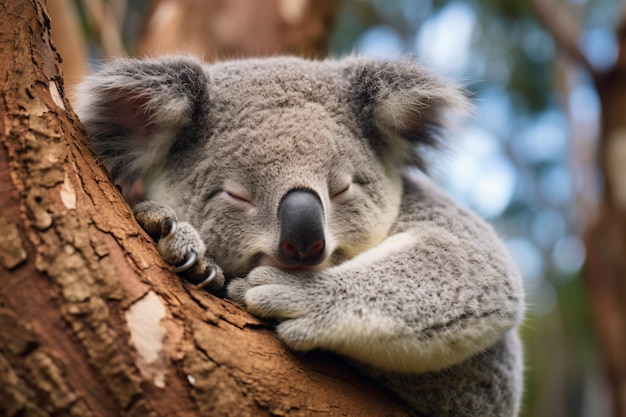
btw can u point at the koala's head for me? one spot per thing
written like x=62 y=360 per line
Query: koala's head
x=278 y=161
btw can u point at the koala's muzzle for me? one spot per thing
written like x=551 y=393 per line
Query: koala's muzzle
x=302 y=240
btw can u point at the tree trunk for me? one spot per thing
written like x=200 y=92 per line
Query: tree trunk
x=69 y=41
x=91 y=321
x=215 y=29
x=606 y=239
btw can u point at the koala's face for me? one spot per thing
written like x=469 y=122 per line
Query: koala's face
x=282 y=162
x=260 y=149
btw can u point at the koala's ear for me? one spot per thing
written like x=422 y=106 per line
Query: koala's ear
x=135 y=110
x=404 y=109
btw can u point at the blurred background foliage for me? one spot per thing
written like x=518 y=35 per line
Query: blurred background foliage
x=526 y=160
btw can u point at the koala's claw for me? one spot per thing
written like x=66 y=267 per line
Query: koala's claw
x=190 y=259
x=209 y=278
x=168 y=227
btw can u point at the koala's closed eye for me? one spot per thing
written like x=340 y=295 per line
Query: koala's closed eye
x=236 y=193
x=236 y=197
x=239 y=197
x=340 y=192
x=339 y=185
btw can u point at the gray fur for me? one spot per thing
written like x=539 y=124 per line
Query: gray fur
x=417 y=291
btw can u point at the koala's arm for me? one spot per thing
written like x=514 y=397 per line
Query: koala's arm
x=440 y=289
x=488 y=384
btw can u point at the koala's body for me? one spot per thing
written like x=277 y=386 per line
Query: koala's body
x=290 y=179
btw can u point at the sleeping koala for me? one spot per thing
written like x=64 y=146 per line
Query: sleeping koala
x=289 y=180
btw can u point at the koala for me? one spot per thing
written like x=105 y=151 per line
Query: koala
x=298 y=189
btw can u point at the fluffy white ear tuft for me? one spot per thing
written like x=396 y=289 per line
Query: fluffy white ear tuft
x=405 y=108
x=134 y=111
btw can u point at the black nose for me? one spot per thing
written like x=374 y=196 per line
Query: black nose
x=301 y=218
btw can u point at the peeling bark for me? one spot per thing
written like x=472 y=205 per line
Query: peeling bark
x=91 y=321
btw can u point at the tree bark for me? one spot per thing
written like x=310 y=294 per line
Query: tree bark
x=91 y=321
x=219 y=29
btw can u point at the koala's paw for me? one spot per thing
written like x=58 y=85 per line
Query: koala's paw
x=298 y=300
x=206 y=274
x=181 y=246
x=151 y=215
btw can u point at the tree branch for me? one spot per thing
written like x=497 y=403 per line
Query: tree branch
x=564 y=29
x=103 y=19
